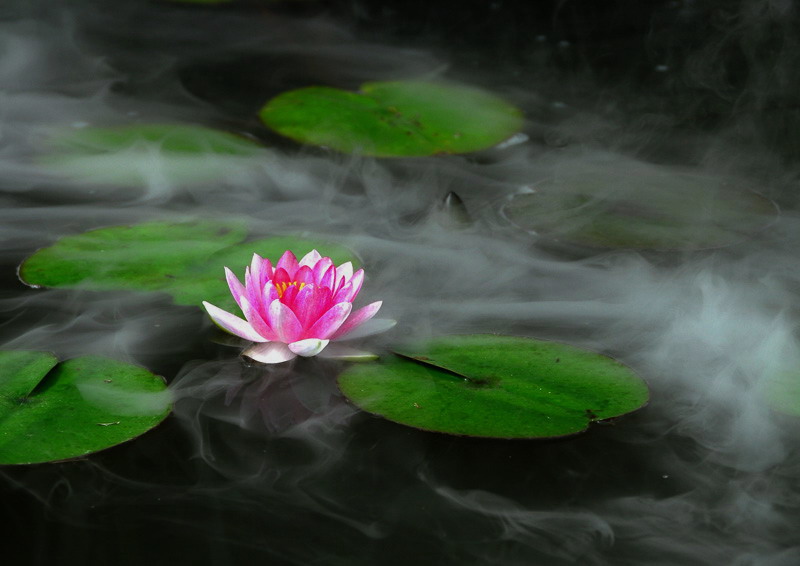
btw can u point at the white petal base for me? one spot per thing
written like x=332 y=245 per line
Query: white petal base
x=270 y=353
x=308 y=347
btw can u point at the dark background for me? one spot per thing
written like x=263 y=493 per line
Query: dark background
x=279 y=469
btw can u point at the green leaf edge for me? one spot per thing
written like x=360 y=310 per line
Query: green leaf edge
x=51 y=357
x=364 y=91
x=179 y=295
x=590 y=421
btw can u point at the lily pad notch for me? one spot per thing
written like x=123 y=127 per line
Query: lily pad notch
x=51 y=411
x=495 y=386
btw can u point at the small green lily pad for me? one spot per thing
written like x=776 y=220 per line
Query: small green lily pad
x=394 y=119
x=184 y=259
x=495 y=386
x=82 y=406
x=638 y=206
x=142 y=154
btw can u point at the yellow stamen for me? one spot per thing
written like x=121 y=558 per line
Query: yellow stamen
x=281 y=287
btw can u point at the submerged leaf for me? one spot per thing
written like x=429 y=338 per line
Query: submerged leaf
x=144 y=154
x=629 y=204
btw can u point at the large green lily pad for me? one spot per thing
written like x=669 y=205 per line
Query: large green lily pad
x=147 y=154
x=495 y=386
x=184 y=259
x=82 y=406
x=629 y=204
x=394 y=119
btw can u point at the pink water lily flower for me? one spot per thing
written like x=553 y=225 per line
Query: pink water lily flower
x=297 y=308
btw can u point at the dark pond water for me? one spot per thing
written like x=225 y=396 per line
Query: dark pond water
x=271 y=465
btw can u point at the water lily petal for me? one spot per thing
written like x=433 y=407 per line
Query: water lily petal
x=261 y=269
x=323 y=272
x=270 y=353
x=232 y=323
x=350 y=289
x=269 y=295
x=280 y=275
x=253 y=293
x=289 y=295
x=358 y=318
x=288 y=262
x=256 y=321
x=310 y=304
x=308 y=347
x=329 y=322
x=284 y=322
x=310 y=259
x=304 y=275
x=345 y=270
x=251 y=284
x=343 y=274
x=328 y=278
x=236 y=287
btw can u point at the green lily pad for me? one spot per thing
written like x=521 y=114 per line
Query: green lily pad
x=139 y=154
x=184 y=259
x=783 y=393
x=639 y=206
x=394 y=119
x=142 y=257
x=495 y=386
x=82 y=406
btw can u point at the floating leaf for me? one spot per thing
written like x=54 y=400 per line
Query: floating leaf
x=141 y=154
x=82 y=406
x=783 y=393
x=184 y=259
x=634 y=205
x=142 y=257
x=495 y=386
x=394 y=119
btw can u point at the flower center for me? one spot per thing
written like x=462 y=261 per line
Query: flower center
x=281 y=287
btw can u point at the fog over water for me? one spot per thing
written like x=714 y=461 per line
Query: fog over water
x=271 y=463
